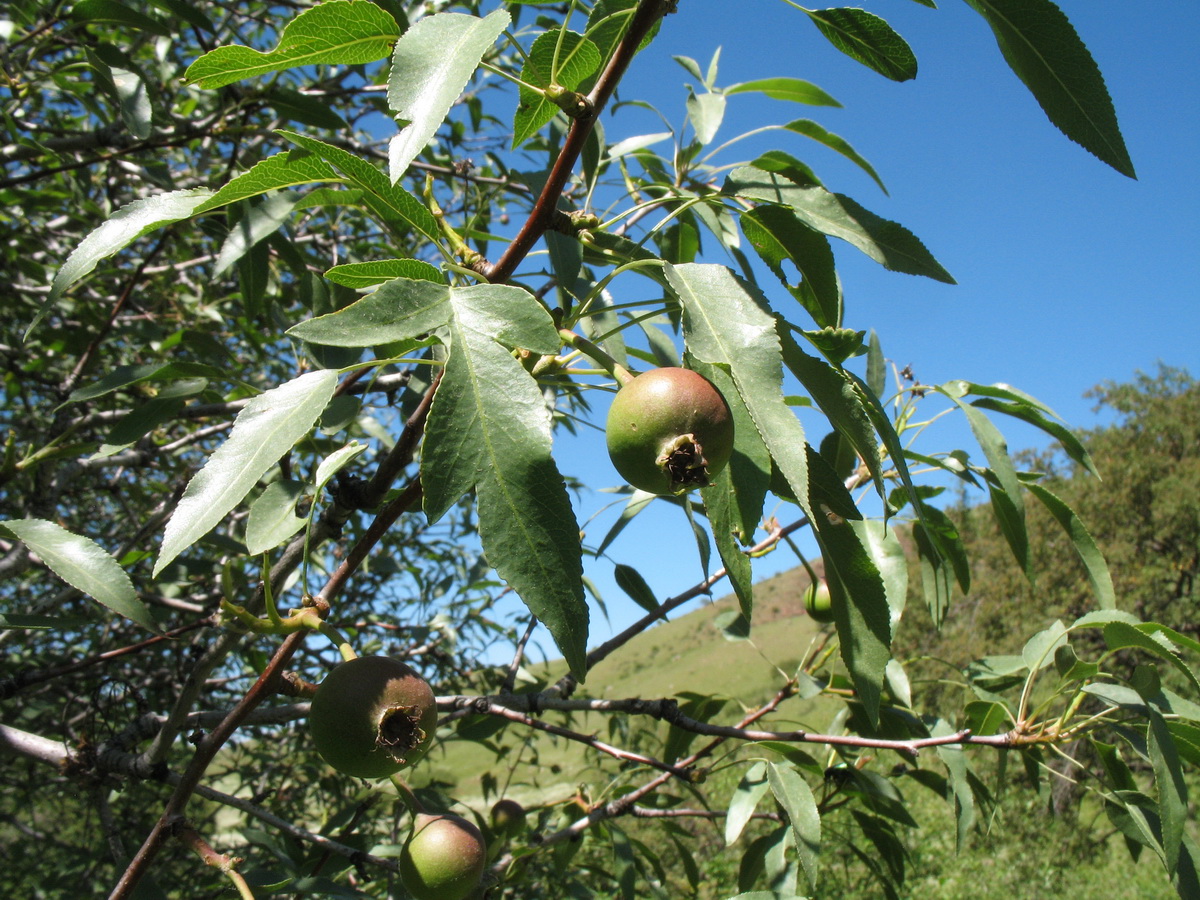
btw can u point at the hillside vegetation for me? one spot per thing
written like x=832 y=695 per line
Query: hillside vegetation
x=1059 y=842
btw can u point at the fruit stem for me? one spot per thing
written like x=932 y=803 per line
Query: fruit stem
x=269 y=596
x=339 y=641
x=587 y=348
x=414 y=805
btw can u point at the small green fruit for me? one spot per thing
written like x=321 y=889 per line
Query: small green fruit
x=818 y=602
x=443 y=858
x=669 y=430
x=372 y=716
x=508 y=818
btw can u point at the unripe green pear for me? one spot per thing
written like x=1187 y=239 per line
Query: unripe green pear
x=669 y=430
x=372 y=716
x=818 y=602
x=508 y=818
x=443 y=858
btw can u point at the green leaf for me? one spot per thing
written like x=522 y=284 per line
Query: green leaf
x=876 y=366
x=784 y=89
x=124 y=376
x=956 y=766
x=128 y=91
x=827 y=490
x=335 y=462
x=259 y=222
x=842 y=401
x=1024 y=411
x=891 y=245
x=701 y=708
x=576 y=58
x=1089 y=553
x=865 y=37
x=489 y=429
x=861 y=609
x=1179 y=638
x=749 y=791
x=630 y=580
x=432 y=64
x=266 y=429
x=1071 y=668
x=725 y=323
x=786 y=165
x=1121 y=635
x=120 y=230
x=112 y=12
x=985 y=717
x=750 y=466
x=608 y=22
x=273 y=518
x=720 y=503
x=838 y=144
x=637 y=502
x=1041 y=46
x=398 y=309
x=289 y=169
x=705 y=113
x=1038 y=651
x=777 y=234
x=83 y=564
x=1007 y=500
x=935 y=574
x=797 y=800
x=1103 y=616
x=895 y=450
x=949 y=542
x=886 y=552
x=1187 y=873
x=306 y=110
x=373 y=272
x=394 y=205
x=335 y=32
x=1168 y=778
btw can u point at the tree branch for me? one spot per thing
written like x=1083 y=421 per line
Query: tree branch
x=541 y=219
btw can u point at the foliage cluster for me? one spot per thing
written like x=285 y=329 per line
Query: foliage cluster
x=298 y=295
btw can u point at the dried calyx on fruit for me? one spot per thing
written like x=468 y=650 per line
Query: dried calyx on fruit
x=443 y=858
x=669 y=430
x=372 y=716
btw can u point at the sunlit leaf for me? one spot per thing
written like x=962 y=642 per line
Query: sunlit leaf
x=725 y=323
x=891 y=245
x=793 y=89
x=273 y=518
x=83 y=564
x=345 y=32
x=576 y=58
x=266 y=429
x=120 y=230
x=797 y=800
x=431 y=65
x=391 y=203
x=1085 y=546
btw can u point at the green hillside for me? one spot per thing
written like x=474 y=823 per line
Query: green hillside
x=1023 y=853
x=689 y=653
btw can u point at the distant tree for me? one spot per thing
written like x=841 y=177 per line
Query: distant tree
x=1143 y=512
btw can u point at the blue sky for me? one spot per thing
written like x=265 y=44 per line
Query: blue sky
x=1068 y=273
